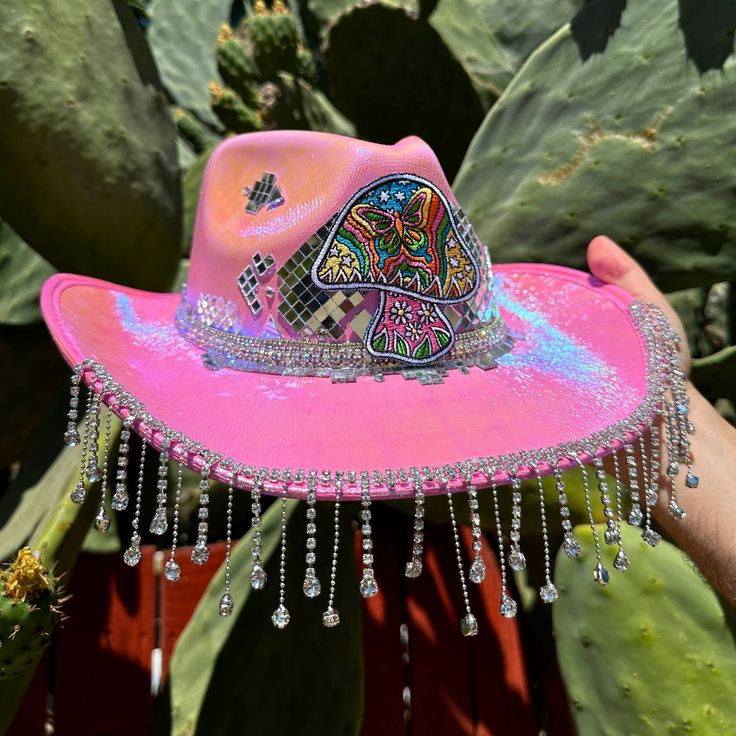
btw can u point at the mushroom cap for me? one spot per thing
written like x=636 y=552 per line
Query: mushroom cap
x=398 y=234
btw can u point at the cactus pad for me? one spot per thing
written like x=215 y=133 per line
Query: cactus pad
x=652 y=653
x=90 y=176
x=274 y=36
x=617 y=134
x=28 y=613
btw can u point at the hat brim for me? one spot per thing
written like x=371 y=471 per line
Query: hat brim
x=577 y=376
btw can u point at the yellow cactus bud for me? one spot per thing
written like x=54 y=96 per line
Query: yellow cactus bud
x=215 y=91
x=26 y=578
x=225 y=33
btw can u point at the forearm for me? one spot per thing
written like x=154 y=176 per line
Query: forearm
x=708 y=532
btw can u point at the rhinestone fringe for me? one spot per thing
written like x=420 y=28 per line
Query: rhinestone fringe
x=637 y=439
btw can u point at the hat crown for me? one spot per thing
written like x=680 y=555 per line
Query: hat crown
x=311 y=237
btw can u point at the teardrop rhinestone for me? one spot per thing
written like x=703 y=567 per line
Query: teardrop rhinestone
x=132 y=556
x=331 y=618
x=692 y=480
x=517 y=561
x=258 y=578
x=172 y=571
x=469 y=625
x=621 y=561
x=548 y=593
x=508 y=607
x=120 y=499
x=611 y=536
x=477 y=570
x=93 y=472
x=312 y=586
x=636 y=517
x=413 y=568
x=71 y=438
x=200 y=554
x=600 y=574
x=226 y=605
x=102 y=521
x=280 y=618
x=368 y=586
x=651 y=537
x=159 y=523
x=570 y=546
x=676 y=510
x=79 y=494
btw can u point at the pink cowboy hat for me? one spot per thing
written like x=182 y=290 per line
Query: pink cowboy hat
x=341 y=315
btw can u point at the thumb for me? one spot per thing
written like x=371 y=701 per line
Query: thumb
x=610 y=263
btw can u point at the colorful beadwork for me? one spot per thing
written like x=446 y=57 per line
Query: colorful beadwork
x=399 y=236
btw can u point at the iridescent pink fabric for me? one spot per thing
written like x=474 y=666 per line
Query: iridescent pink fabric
x=578 y=366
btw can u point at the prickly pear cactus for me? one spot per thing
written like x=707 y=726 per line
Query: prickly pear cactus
x=182 y=36
x=28 y=612
x=293 y=104
x=715 y=375
x=234 y=114
x=22 y=273
x=325 y=12
x=461 y=26
x=615 y=124
x=393 y=75
x=496 y=36
x=274 y=36
x=237 y=68
x=652 y=653
x=89 y=177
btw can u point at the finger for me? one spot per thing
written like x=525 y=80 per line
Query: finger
x=610 y=263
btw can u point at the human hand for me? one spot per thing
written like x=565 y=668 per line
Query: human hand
x=610 y=263
x=708 y=534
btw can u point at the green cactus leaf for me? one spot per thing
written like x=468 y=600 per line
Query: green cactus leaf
x=234 y=114
x=462 y=27
x=45 y=473
x=616 y=134
x=299 y=106
x=690 y=307
x=327 y=12
x=518 y=28
x=191 y=130
x=653 y=652
x=411 y=83
x=274 y=41
x=22 y=273
x=492 y=38
x=217 y=660
x=182 y=35
x=236 y=67
x=715 y=375
x=89 y=176
x=190 y=188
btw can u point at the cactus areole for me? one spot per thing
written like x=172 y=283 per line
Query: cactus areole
x=29 y=610
x=340 y=313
